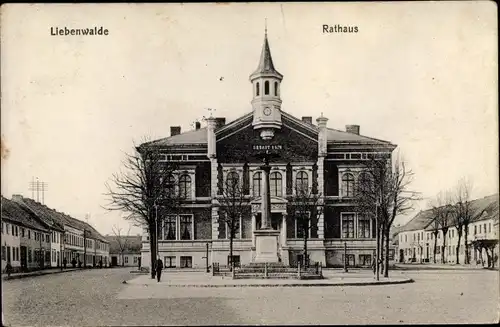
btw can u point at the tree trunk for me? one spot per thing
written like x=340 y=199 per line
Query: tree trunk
x=306 y=262
x=377 y=254
x=458 y=246
x=231 y=249
x=444 y=247
x=386 y=264
x=381 y=256
x=435 y=246
x=466 y=259
x=152 y=246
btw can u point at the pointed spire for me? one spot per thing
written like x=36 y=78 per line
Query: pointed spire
x=266 y=65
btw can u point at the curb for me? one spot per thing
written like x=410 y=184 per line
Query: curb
x=404 y=281
x=38 y=274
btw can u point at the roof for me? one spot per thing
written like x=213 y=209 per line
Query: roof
x=191 y=137
x=15 y=212
x=266 y=65
x=132 y=244
x=57 y=219
x=337 y=136
x=483 y=208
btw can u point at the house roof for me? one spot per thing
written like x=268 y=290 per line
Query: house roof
x=15 y=212
x=266 y=65
x=334 y=136
x=132 y=244
x=483 y=208
x=56 y=219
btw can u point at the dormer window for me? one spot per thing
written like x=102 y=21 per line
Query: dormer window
x=276 y=88
x=257 y=89
x=266 y=88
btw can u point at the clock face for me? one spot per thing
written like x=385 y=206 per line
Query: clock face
x=267 y=111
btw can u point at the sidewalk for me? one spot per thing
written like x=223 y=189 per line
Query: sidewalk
x=37 y=273
x=201 y=279
x=439 y=266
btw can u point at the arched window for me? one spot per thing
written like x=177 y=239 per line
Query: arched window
x=256 y=183
x=257 y=89
x=276 y=88
x=232 y=180
x=348 y=185
x=266 y=87
x=170 y=186
x=302 y=181
x=185 y=186
x=364 y=185
x=275 y=181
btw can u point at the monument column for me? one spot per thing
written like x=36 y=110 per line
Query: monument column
x=266 y=198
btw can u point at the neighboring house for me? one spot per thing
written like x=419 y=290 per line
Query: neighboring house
x=68 y=236
x=125 y=250
x=416 y=238
x=25 y=240
x=325 y=160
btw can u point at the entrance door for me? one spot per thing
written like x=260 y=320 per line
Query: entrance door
x=114 y=261
x=401 y=255
x=24 y=258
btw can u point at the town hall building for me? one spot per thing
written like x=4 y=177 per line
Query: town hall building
x=326 y=160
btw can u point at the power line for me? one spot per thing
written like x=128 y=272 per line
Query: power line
x=39 y=187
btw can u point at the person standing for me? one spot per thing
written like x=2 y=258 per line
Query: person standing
x=159 y=267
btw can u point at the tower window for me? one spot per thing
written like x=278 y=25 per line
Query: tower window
x=257 y=89
x=266 y=87
x=276 y=88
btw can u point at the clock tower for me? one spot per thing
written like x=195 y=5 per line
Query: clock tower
x=266 y=100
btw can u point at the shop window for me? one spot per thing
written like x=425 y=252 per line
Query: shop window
x=186 y=262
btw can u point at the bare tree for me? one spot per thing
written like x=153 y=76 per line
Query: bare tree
x=435 y=228
x=234 y=203
x=464 y=214
x=385 y=187
x=305 y=207
x=122 y=241
x=443 y=214
x=144 y=183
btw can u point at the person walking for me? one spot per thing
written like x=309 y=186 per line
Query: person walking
x=159 y=267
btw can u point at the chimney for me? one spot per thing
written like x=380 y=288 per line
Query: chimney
x=354 y=129
x=17 y=197
x=197 y=125
x=219 y=122
x=175 y=130
x=307 y=120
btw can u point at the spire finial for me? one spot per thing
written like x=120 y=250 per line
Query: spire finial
x=265 y=28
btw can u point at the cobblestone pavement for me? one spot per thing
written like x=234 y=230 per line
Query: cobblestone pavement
x=98 y=297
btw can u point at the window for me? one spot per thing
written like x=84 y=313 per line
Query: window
x=266 y=87
x=347 y=225
x=4 y=252
x=363 y=227
x=47 y=238
x=7 y=228
x=30 y=259
x=126 y=259
x=232 y=181
x=350 y=260
x=276 y=185
x=365 y=260
x=3 y=227
x=406 y=238
x=256 y=183
x=22 y=232
x=489 y=228
x=299 y=224
x=8 y=254
x=17 y=231
x=484 y=228
x=169 y=262
x=170 y=186
x=135 y=260
x=186 y=227
x=418 y=237
x=302 y=181
x=257 y=89
x=276 y=88
x=348 y=185
x=186 y=262
x=185 y=187
x=170 y=228
x=479 y=229
x=13 y=230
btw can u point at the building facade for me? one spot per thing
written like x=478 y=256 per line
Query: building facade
x=325 y=160
x=416 y=239
x=125 y=251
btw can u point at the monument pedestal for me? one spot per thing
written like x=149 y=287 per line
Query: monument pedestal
x=266 y=245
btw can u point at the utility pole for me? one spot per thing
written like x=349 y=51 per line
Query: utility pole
x=345 y=256
x=39 y=187
x=84 y=248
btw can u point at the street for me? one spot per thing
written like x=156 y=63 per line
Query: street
x=98 y=297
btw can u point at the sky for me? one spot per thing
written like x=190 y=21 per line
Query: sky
x=422 y=75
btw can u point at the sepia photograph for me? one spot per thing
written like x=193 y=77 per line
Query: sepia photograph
x=282 y=163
